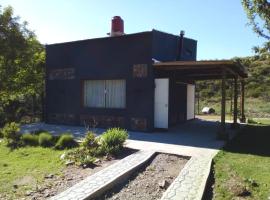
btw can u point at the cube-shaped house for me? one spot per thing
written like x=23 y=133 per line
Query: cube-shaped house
x=111 y=82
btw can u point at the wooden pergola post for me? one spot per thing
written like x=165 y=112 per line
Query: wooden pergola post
x=243 y=117
x=222 y=132
x=235 y=110
x=223 y=99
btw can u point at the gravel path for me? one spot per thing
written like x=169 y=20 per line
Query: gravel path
x=150 y=182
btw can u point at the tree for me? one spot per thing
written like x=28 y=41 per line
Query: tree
x=258 y=13
x=21 y=67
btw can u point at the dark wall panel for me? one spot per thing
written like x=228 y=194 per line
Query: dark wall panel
x=166 y=47
x=104 y=58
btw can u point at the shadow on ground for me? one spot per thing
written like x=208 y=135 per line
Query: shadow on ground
x=195 y=133
x=252 y=139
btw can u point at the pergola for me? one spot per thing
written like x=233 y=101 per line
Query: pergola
x=211 y=70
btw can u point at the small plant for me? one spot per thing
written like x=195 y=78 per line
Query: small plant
x=81 y=157
x=88 y=161
x=30 y=139
x=113 y=140
x=66 y=141
x=11 y=134
x=45 y=139
x=90 y=141
x=251 y=121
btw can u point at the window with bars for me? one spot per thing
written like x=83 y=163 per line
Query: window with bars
x=105 y=93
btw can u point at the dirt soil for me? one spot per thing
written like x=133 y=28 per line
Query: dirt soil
x=55 y=184
x=151 y=181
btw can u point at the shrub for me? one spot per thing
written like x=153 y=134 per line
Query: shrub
x=251 y=121
x=45 y=139
x=1 y=134
x=30 y=139
x=113 y=139
x=90 y=141
x=11 y=134
x=88 y=161
x=81 y=157
x=66 y=141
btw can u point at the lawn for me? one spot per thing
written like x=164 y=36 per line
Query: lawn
x=24 y=169
x=254 y=107
x=241 y=169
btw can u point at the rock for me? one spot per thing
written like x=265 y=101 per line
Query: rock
x=97 y=161
x=28 y=193
x=163 y=184
x=47 y=194
x=69 y=179
x=69 y=162
x=63 y=156
x=108 y=157
x=170 y=177
x=49 y=176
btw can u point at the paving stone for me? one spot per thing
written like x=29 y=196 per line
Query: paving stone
x=191 y=181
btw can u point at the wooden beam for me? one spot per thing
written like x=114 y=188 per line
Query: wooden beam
x=223 y=99
x=235 y=111
x=222 y=135
x=243 y=117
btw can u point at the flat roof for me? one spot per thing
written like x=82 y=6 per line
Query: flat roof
x=120 y=36
x=203 y=70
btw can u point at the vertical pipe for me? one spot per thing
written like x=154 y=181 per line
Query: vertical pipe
x=235 y=102
x=180 y=46
x=243 y=117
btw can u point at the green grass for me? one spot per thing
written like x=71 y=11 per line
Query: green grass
x=263 y=121
x=26 y=168
x=254 y=107
x=244 y=164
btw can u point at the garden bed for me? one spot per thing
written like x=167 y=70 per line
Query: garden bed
x=72 y=174
x=151 y=181
x=39 y=165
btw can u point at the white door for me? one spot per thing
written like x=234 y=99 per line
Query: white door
x=190 y=101
x=161 y=103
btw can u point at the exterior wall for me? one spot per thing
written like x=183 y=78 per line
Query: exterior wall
x=165 y=48
x=124 y=57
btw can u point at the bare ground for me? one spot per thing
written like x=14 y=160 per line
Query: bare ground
x=55 y=184
x=151 y=181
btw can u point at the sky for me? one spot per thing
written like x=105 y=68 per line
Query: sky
x=219 y=26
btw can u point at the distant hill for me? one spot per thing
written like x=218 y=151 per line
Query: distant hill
x=257 y=88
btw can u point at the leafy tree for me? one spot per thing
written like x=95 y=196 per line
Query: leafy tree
x=258 y=13
x=21 y=67
x=258 y=10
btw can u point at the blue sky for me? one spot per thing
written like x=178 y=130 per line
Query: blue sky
x=219 y=26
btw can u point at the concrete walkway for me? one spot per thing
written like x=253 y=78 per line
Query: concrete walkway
x=194 y=138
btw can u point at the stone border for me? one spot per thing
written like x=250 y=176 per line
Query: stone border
x=105 y=179
x=191 y=182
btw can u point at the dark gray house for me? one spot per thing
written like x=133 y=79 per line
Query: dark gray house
x=112 y=81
